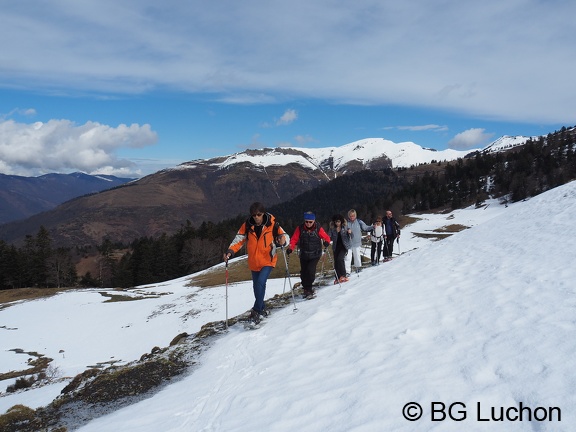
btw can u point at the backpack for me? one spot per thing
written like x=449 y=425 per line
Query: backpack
x=275 y=228
x=309 y=237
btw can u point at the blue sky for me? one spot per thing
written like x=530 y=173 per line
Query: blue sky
x=131 y=87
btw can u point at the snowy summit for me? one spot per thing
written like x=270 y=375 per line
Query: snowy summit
x=402 y=155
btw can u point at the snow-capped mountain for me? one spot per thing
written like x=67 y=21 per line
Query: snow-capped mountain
x=362 y=154
x=506 y=143
x=215 y=189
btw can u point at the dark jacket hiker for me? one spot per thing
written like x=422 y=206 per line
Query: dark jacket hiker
x=391 y=232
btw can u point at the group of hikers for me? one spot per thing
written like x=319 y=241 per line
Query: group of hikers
x=262 y=234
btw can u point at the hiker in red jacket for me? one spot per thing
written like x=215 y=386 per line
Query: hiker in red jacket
x=310 y=237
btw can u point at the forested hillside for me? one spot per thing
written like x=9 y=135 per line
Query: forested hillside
x=513 y=175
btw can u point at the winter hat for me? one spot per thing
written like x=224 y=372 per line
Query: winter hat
x=309 y=216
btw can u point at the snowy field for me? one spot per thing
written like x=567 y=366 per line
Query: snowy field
x=477 y=332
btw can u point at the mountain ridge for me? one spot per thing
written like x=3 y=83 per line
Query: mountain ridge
x=213 y=189
x=22 y=197
x=400 y=155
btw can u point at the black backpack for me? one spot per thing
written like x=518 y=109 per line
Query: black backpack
x=311 y=247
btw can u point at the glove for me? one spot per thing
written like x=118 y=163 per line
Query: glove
x=288 y=251
x=326 y=244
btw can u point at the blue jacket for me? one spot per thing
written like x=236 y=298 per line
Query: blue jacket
x=391 y=228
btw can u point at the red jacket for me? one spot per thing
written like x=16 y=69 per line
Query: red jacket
x=296 y=236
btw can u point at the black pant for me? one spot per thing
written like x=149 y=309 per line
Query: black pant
x=388 y=247
x=308 y=271
x=376 y=250
x=339 y=263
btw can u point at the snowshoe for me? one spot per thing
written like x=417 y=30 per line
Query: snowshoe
x=308 y=294
x=254 y=321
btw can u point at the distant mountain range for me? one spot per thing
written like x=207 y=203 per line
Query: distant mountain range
x=216 y=189
x=22 y=197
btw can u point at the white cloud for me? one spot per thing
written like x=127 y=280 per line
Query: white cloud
x=471 y=138
x=62 y=146
x=287 y=118
x=27 y=112
x=428 y=127
x=486 y=59
x=304 y=139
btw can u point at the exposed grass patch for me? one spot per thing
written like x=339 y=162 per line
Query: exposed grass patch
x=12 y=295
x=442 y=232
x=238 y=271
x=16 y=417
x=112 y=385
x=113 y=298
x=454 y=228
x=431 y=236
x=38 y=365
x=98 y=391
x=407 y=220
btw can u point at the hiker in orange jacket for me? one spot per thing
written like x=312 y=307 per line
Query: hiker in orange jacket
x=261 y=233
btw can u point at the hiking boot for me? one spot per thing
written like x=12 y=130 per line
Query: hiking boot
x=264 y=314
x=308 y=292
x=343 y=279
x=254 y=317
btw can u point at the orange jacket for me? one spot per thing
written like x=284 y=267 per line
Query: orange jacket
x=261 y=250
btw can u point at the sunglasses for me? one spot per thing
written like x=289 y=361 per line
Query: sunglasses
x=257 y=214
x=309 y=222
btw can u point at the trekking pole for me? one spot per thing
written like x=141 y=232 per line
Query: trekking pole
x=333 y=267
x=226 y=294
x=398 y=241
x=284 y=289
x=288 y=276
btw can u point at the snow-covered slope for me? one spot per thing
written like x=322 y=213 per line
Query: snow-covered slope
x=483 y=320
